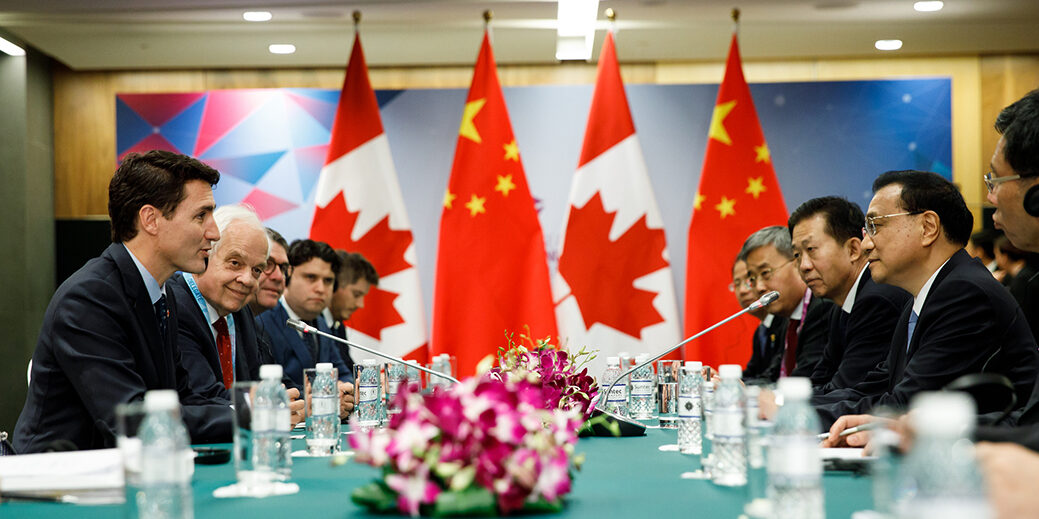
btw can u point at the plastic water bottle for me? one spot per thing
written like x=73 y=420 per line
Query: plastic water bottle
x=617 y=399
x=370 y=406
x=167 y=462
x=640 y=401
x=690 y=414
x=706 y=454
x=323 y=422
x=940 y=473
x=271 y=421
x=730 y=465
x=794 y=465
x=758 y=505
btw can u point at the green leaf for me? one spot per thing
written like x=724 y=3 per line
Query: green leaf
x=376 y=497
x=474 y=500
x=542 y=506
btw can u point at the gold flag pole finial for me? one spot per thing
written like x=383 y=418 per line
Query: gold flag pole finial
x=487 y=15
x=736 y=15
x=611 y=14
x=357 y=19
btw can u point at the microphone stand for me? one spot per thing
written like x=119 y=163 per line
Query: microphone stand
x=640 y=429
x=306 y=328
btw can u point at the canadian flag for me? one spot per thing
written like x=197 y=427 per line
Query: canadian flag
x=614 y=291
x=360 y=209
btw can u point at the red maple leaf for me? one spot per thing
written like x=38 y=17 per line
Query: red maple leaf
x=382 y=246
x=602 y=273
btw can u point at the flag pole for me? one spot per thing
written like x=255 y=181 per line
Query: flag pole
x=357 y=20
x=736 y=20
x=611 y=15
x=487 y=16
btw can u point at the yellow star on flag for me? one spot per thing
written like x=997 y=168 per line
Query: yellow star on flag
x=717 y=131
x=505 y=185
x=763 y=154
x=726 y=207
x=449 y=198
x=468 y=128
x=699 y=200
x=475 y=205
x=755 y=186
x=512 y=151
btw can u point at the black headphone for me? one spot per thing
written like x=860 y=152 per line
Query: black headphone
x=1031 y=201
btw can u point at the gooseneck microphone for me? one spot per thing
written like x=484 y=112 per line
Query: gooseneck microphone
x=762 y=302
x=306 y=328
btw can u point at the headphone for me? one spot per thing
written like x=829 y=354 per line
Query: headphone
x=1031 y=201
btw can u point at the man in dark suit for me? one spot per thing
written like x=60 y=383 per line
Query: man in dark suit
x=355 y=279
x=767 y=335
x=272 y=281
x=313 y=265
x=770 y=260
x=109 y=333
x=961 y=320
x=827 y=240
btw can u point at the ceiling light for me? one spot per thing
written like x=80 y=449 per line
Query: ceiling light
x=257 y=16
x=281 y=48
x=888 y=44
x=927 y=6
x=575 y=26
x=10 y=48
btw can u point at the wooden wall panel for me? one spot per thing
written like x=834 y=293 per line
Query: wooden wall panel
x=1004 y=79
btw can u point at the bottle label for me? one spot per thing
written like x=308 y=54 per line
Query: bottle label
x=262 y=420
x=392 y=387
x=642 y=388
x=727 y=423
x=616 y=395
x=794 y=456
x=689 y=407
x=366 y=394
x=324 y=405
x=282 y=420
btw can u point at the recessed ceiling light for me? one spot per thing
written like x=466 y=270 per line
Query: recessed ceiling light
x=281 y=48
x=257 y=16
x=11 y=49
x=888 y=44
x=927 y=6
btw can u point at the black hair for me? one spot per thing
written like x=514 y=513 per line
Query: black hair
x=843 y=219
x=1019 y=126
x=276 y=237
x=354 y=267
x=986 y=240
x=927 y=191
x=302 y=251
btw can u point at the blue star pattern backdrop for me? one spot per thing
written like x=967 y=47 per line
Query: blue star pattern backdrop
x=825 y=138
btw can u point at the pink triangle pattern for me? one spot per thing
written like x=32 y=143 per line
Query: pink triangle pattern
x=158 y=109
x=224 y=110
x=151 y=142
x=267 y=206
x=321 y=111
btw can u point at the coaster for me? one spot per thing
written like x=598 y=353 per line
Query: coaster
x=699 y=474
x=276 y=488
x=671 y=447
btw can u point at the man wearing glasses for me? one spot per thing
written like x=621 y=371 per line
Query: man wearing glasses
x=770 y=266
x=768 y=334
x=961 y=319
x=272 y=281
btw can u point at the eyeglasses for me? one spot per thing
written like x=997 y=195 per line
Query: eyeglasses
x=992 y=181
x=766 y=274
x=271 y=264
x=871 y=221
x=743 y=283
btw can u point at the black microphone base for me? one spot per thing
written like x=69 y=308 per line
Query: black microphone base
x=607 y=424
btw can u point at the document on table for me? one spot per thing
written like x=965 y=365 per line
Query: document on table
x=844 y=453
x=94 y=475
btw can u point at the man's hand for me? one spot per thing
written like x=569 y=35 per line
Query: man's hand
x=346 y=398
x=767 y=405
x=859 y=439
x=1010 y=474
x=297 y=407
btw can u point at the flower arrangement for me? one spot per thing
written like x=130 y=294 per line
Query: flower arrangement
x=483 y=447
x=561 y=374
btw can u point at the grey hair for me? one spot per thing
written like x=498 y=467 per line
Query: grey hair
x=777 y=236
x=226 y=214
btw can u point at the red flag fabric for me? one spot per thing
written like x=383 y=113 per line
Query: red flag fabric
x=359 y=208
x=738 y=195
x=614 y=291
x=491 y=275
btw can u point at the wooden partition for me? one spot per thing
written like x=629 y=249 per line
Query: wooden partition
x=84 y=107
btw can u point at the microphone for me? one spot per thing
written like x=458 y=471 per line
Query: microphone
x=636 y=428
x=306 y=328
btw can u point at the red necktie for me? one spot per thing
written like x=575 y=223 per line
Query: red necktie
x=790 y=353
x=223 y=348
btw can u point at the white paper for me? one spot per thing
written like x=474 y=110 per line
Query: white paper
x=78 y=470
x=845 y=453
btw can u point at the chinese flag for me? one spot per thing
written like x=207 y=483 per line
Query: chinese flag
x=738 y=195
x=359 y=208
x=492 y=276
x=614 y=290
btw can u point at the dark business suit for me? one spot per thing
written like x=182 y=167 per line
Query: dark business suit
x=810 y=341
x=339 y=330
x=860 y=340
x=292 y=353
x=100 y=346
x=198 y=348
x=767 y=343
x=969 y=323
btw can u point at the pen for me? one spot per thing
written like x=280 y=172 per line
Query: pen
x=864 y=427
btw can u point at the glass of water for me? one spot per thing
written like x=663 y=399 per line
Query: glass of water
x=321 y=389
x=667 y=393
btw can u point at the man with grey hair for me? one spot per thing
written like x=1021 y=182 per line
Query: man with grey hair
x=769 y=256
x=217 y=334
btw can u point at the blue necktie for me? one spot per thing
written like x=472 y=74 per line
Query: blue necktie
x=762 y=337
x=162 y=313
x=912 y=326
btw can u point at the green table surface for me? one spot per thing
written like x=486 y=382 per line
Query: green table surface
x=621 y=477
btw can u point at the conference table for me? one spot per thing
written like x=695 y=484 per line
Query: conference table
x=621 y=477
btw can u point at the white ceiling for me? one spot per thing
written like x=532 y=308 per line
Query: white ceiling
x=135 y=34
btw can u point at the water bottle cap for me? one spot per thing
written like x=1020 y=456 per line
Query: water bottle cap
x=943 y=414
x=694 y=364
x=444 y=356
x=730 y=371
x=613 y=361
x=271 y=371
x=640 y=358
x=324 y=367
x=624 y=354
x=795 y=388
x=161 y=400
x=368 y=362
